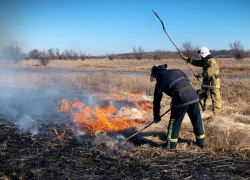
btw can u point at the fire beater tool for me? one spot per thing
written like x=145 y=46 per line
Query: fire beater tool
x=144 y=127
x=173 y=41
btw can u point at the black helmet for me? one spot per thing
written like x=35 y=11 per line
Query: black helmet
x=155 y=70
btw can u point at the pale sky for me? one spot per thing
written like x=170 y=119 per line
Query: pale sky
x=98 y=27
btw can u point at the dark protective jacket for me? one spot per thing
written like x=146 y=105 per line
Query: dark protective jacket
x=210 y=71
x=176 y=84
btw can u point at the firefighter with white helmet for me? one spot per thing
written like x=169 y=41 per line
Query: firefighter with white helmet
x=210 y=75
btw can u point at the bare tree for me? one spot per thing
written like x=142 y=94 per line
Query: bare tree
x=44 y=59
x=51 y=53
x=138 y=53
x=190 y=50
x=34 y=54
x=82 y=55
x=158 y=55
x=65 y=55
x=57 y=53
x=111 y=56
x=73 y=55
x=12 y=52
x=238 y=50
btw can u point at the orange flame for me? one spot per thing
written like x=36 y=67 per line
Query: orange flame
x=57 y=134
x=65 y=106
x=146 y=106
x=101 y=118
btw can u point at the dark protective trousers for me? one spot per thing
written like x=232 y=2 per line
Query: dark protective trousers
x=176 y=118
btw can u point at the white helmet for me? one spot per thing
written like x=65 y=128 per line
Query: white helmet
x=203 y=52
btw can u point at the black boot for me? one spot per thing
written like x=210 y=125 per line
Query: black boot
x=171 y=146
x=201 y=142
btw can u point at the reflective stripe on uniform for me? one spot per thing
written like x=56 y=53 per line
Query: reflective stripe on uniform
x=186 y=88
x=175 y=81
x=207 y=86
x=170 y=132
x=216 y=105
x=200 y=136
x=216 y=86
x=173 y=140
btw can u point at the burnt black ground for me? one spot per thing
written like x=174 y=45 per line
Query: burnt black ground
x=73 y=157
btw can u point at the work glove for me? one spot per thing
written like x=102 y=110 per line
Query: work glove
x=199 y=91
x=157 y=118
x=185 y=58
x=156 y=112
x=200 y=75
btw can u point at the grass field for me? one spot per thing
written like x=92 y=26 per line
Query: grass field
x=227 y=135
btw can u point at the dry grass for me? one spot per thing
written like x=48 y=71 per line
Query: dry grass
x=228 y=133
x=226 y=156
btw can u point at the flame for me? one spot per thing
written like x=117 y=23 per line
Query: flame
x=65 y=106
x=105 y=118
x=146 y=106
x=57 y=134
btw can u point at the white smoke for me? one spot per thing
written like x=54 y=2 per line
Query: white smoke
x=26 y=123
x=132 y=113
x=27 y=104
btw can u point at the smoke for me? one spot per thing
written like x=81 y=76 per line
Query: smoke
x=27 y=123
x=11 y=30
x=12 y=52
x=31 y=98
x=25 y=100
x=27 y=103
x=27 y=107
x=103 y=139
x=119 y=137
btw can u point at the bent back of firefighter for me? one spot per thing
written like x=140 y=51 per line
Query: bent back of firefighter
x=176 y=84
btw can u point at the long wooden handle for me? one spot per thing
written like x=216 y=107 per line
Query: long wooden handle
x=144 y=127
x=138 y=131
x=173 y=42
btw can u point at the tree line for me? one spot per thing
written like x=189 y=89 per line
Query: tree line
x=14 y=53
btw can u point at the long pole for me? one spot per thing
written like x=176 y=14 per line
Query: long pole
x=144 y=127
x=173 y=41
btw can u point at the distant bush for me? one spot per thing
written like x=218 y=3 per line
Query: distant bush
x=111 y=56
x=138 y=53
x=12 y=52
x=190 y=50
x=51 y=54
x=82 y=56
x=222 y=53
x=44 y=59
x=158 y=55
x=34 y=54
x=238 y=50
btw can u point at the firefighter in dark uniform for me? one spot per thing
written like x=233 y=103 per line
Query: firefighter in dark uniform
x=211 y=82
x=176 y=84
